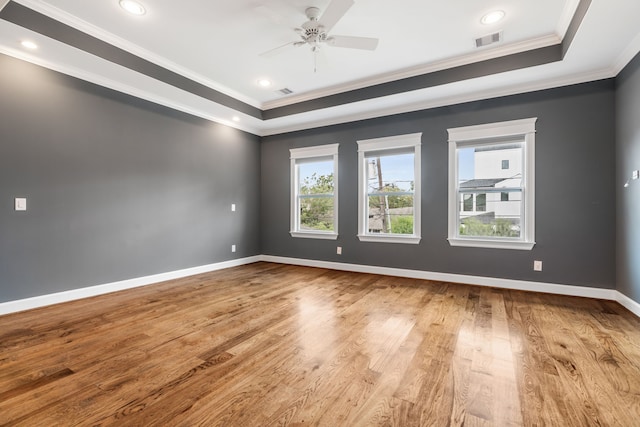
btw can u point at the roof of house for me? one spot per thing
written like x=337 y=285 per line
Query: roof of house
x=473 y=183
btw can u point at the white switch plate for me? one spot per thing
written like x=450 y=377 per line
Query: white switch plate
x=339 y=250
x=21 y=204
x=233 y=207
x=635 y=174
x=233 y=248
x=537 y=265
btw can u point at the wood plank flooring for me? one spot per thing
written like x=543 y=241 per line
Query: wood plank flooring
x=268 y=344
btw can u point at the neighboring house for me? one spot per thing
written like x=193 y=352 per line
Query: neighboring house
x=494 y=168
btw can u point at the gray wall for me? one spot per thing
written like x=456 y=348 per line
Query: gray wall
x=628 y=199
x=117 y=187
x=575 y=195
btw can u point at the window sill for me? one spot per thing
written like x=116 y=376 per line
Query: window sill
x=312 y=235
x=492 y=244
x=387 y=238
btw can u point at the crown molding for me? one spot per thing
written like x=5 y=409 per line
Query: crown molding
x=566 y=16
x=427 y=103
x=627 y=55
x=128 y=89
x=479 y=56
x=99 y=33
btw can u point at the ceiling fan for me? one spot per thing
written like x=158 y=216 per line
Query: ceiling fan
x=315 y=32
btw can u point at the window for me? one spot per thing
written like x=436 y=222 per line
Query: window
x=389 y=189
x=314 y=192
x=491 y=205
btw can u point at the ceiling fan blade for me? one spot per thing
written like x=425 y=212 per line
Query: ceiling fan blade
x=364 y=43
x=334 y=12
x=276 y=50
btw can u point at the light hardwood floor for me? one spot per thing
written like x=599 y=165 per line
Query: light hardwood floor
x=268 y=344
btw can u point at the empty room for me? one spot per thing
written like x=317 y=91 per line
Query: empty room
x=319 y=212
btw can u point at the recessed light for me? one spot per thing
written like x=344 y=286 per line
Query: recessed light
x=133 y=7
x=29 y=44
x=492 y=17
x=264 y=82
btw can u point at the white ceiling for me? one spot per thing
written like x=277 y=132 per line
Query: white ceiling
x=218 y=43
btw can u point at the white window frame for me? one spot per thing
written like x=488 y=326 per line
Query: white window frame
x=321 y=152
x=412 y=141
x=495 y=133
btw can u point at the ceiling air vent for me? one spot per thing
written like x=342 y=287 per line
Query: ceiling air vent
x=285 y=91
x=490 y=39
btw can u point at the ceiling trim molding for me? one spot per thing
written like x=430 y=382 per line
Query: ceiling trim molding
x=30 y=19
x=501 y=64
x=97 y=32
x=123 y=88
x=480 y=56
x=445 y=101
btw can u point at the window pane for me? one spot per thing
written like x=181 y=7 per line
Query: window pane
x=482 y=166
x=467 y=202
x=316 y=178
x=316 y=214
x=390 y=173
x=481 y=202
x=390 y=184
x=390 y=217
x=497 y=218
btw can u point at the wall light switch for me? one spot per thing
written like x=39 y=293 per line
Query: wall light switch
x=635 y=174
x=537 y=265
x=233 y=207
x=21 y=204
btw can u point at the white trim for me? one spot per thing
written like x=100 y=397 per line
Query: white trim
x=90 y=291
x=477 y=134
x=314 y=152
x=117 y=85
x=345 y=115
x=314 y=235
x=390 y=238
x=551 y=288
x=390 y=142
x=3 y=3
x=492 y=130
x=521 y=285
x=99 y=33
x=493 y=244
x=413 y=141
x=478 y=56
x=628 y=303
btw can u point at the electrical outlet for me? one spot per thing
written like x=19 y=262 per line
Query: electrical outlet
x=233 y=207
x=537 y=265
x=339 y=250
x=233 y=248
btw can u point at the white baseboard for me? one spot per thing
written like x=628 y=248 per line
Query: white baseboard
x=522 y=285
x=628 y=303
x=551 y=288
x=74 y=294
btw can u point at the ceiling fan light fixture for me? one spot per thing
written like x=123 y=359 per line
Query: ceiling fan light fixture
x=492 y=17
x=133 y=7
